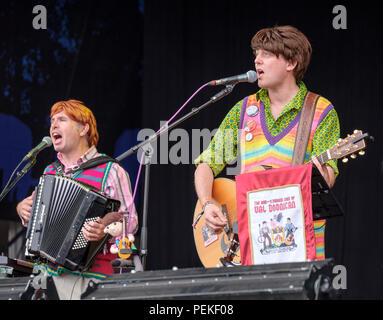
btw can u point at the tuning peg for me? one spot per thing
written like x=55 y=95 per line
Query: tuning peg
x=340 y=139
x=353 y=156
x=362 y=152
x=356 y=131
x=345 y=160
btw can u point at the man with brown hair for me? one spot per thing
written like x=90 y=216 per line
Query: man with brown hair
x=282 y=55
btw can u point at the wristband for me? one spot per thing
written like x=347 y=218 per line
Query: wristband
x=202 y=212
x=205 y=204
x=203 y=200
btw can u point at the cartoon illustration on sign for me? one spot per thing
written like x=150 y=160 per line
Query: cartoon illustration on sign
x=278 y=237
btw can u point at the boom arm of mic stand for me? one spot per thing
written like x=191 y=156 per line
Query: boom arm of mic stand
x=194 y=111
x=19 y=176
x=146 y=150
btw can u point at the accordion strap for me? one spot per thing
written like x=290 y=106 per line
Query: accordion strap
x=86 y=165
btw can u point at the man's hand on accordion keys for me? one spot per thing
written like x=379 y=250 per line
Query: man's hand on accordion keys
x=94 y=230
x=24 y=208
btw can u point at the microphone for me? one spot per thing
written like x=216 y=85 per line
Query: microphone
x=45 y=143
x=249 y=76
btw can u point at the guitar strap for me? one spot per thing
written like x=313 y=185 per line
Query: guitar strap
x=304 y=128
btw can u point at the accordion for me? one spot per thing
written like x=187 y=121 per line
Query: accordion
x=60 y=208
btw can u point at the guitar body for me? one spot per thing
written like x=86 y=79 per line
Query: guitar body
x=289 y=240
x=124 y=248
x=211 y=247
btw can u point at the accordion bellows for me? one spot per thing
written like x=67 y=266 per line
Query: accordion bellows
x=60 y=208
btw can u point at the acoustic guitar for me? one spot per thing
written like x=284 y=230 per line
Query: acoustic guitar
x=214 y=248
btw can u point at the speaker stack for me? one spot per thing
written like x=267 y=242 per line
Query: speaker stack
x=303 y=280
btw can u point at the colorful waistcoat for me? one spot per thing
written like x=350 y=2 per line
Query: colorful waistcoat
x=95 y=177
x=258 y=147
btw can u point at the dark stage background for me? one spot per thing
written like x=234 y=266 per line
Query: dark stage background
x=134 y=63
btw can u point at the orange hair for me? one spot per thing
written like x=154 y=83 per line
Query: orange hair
x=77 y=111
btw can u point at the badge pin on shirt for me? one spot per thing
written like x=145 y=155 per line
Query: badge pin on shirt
x=252 y=111
x=249 y=136
x=250 y=125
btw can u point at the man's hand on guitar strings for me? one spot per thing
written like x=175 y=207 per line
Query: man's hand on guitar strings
x=214 y=218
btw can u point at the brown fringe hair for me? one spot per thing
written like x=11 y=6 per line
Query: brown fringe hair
x=288 y=41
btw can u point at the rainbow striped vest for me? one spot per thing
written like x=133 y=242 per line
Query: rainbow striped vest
x=258 y=147
x=96 y=176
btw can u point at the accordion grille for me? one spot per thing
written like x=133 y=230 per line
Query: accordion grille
x=66 y=200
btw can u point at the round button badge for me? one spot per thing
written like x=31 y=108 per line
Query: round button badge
x=250 y=125
x=252 y=111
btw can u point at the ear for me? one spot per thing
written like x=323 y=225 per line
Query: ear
x=84 y=130
x=291 y=64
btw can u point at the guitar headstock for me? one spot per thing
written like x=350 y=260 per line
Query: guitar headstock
x=352 y=145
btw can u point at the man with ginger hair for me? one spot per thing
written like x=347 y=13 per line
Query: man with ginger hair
x=74 y=135
x=282 y=55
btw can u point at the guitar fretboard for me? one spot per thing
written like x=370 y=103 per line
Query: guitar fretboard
x=323 y=157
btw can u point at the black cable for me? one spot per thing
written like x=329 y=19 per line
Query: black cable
x=3 y=193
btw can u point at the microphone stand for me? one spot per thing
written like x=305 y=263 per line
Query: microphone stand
x=20 y=174
x=148 y=152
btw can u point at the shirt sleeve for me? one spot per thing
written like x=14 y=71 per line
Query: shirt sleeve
x=327 y=135
x=118 y=187
x=223 y=147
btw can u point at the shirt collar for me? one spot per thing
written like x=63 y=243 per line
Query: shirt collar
x=89 y=154
x=295 y=103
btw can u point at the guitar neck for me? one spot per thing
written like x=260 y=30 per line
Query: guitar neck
x=345 y=147
x=322 y=158
x=124 y=226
